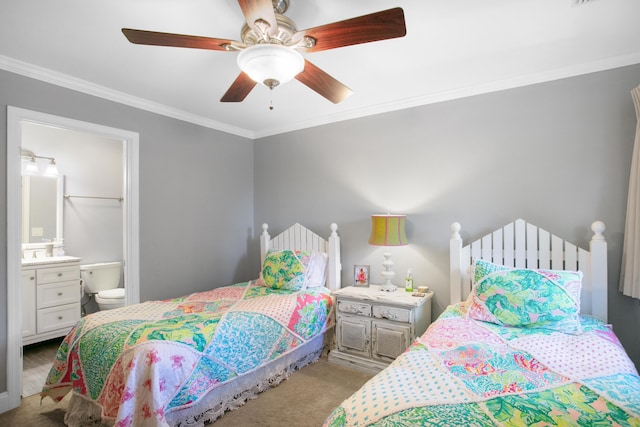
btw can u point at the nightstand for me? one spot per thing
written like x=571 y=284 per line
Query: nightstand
x=374 y=327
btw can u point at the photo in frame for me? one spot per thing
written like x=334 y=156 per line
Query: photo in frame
x=361 y=276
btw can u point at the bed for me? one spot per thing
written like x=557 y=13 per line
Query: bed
x=525 y=342
x=185 y=361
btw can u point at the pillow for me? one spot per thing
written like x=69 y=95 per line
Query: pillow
x=286 y=269
x=548 y=299
x=317 y=270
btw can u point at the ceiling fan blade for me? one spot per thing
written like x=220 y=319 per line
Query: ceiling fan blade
x=387 y=24
x=255 y=10
x=239 y=89
x=176 y=40
x=323 y=83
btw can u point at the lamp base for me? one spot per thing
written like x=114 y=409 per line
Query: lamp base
x=387 y=274
x=388 y=287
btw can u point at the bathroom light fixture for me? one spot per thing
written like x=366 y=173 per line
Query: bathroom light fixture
x=52 y=169
x=30 y=167
x=388 y=230
x=270 y=64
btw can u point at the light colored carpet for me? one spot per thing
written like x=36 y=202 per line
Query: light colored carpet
x=305 y=399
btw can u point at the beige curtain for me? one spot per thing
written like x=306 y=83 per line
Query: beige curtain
x=630 y=272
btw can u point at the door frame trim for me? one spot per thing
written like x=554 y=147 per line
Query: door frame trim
x=131 y=214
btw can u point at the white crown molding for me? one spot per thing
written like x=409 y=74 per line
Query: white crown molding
x=69 y=82
x=463 y=92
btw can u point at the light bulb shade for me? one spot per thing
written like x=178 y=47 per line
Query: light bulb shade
x=30 y=167
x=388 y=230
x=266 y=62
x=52 y=169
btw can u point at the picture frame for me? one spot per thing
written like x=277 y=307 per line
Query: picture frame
x=361 y=276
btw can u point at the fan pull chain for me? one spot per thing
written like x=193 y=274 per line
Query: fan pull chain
x=271 y=83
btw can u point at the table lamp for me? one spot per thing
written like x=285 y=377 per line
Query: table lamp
x=388 y=230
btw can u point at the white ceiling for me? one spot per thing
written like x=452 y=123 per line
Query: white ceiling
x=453 y=48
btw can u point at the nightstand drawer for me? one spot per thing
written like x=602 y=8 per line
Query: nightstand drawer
x=396 y=314
x=352 y=307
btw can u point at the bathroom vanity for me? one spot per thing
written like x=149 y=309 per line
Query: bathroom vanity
x=51 y=295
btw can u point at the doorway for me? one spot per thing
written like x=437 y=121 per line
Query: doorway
x=16 y=117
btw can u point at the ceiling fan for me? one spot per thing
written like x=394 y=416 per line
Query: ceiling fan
x=269 y=50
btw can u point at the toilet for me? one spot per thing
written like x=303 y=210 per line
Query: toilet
x=102 y=280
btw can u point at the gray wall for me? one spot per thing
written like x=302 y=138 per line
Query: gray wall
x=556 y=154
x=196 y=185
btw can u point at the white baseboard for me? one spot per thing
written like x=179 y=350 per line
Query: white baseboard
x=4 y=402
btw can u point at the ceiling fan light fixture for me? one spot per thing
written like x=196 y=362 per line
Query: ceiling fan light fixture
x=270 y=64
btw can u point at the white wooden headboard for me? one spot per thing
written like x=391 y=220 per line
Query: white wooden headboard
x=524 y=245
x=300 y=238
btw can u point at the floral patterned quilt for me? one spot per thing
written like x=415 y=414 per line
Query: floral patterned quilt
x=465 y=372
x=140 y=362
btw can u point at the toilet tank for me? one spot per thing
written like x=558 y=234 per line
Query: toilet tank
x=101 y=276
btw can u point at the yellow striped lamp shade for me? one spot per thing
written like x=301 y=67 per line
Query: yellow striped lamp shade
x=388 y=230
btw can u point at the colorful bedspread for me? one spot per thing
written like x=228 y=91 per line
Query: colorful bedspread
x=469 y=373
x=140 y=362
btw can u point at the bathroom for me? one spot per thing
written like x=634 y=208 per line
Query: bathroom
x=90 y=166
x=90 y=191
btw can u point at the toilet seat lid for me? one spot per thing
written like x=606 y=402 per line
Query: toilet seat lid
x=117 y=293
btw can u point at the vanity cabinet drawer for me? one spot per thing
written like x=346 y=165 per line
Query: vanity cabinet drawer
x=52 y=318
x=353 y=307
x=51 y=299
x=396 y=314
x=52 y=294
x=57 y=274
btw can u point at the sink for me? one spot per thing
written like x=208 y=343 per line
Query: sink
x=49 y=260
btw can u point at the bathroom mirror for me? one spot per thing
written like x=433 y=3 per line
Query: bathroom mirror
x=42 y=207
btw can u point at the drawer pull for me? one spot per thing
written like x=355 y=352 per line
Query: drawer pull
x=59 y=294
x=388 y=315
x=59 y=274
x=354 y=309
x=32 y=278
x=60 y=317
